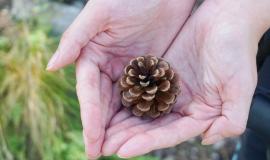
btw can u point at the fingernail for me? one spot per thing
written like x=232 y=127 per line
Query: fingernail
x=123 y=152
x=122 y=156
x=129 y=150
x=211 y=140
x=52 y=61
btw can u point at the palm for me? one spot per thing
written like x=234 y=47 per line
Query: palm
x=218 y=77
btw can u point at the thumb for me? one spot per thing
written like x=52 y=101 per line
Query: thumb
x=237 y=96
x=232 y=121
x=220 y=129
x=88 y=23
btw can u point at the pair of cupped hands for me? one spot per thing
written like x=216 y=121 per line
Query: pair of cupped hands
x=212 y=50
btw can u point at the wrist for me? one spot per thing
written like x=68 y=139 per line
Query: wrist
x=259 y=14
x=254 y=15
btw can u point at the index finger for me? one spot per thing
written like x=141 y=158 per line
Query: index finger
x=88 y=91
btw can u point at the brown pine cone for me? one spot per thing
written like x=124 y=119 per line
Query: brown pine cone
x=149 y=86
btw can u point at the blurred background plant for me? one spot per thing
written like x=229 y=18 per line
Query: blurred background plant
x=38 y=108
x=39 y=112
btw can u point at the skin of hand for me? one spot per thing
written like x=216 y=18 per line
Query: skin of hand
x=215 y=57
x=102 y=39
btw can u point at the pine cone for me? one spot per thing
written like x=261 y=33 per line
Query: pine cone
x=149 y=86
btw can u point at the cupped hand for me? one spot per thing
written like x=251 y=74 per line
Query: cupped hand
x=102 y=39
x=215 y=58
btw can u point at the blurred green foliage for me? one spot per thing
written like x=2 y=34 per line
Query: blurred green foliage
x=39 y=112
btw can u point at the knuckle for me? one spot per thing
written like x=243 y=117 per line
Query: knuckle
x=235 y=131
x=69 y=36
x=90 y=135
x=65 y=36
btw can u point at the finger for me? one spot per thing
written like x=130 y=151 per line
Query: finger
x=88 y=23
x=109 y=143
x=120 y=116
x=127 y=123
x=88 y=91
x=93 y=150
x=115 y=104
x=114 y=141
x=107 y=97
x=162 y=137
x=231 y=123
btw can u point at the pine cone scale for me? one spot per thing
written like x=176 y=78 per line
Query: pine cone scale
x=148 y=97
x=144 y=106
x=137 y=112
x=164 y=86
x=163 y=106
x=165 y=97
x=151 y=90
x=135 y=92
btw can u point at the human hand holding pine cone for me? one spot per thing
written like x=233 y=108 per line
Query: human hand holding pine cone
x=215 y=58
x=102 y=39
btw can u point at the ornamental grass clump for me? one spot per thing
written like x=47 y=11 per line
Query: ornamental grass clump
x=34 y=104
